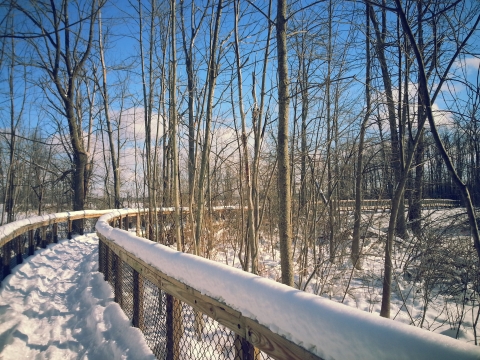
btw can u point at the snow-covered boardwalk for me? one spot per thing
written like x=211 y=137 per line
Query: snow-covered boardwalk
x=56 y=305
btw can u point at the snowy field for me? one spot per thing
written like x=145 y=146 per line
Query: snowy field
x=56 y=305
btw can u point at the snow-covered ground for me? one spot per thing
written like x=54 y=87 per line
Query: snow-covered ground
x=56 y=305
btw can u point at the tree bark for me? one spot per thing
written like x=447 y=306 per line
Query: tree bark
x=396 y=156
x=356 y=261
x=284 y=190
x=212 y=76
x=106 y=106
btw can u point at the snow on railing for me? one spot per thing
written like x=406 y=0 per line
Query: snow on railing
x=276 y=319
x=383 y=204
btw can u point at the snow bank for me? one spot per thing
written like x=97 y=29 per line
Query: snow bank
x=328 y=329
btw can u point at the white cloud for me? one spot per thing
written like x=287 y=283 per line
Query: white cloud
x=470 y=64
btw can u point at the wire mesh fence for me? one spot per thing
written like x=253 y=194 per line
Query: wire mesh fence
x=174 y=325
x=172 y=329
x=37 y=236
x=19 y=248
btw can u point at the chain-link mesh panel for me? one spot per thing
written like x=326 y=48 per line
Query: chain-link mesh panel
x=7 y=258
x=37 y=238
x=127 y=290
x=19 y=247
x=89 y=225
x=62 y=230
x=154 y=326
x=203 y=337
x=111 y=268
x=172 y=329
x=101 y=256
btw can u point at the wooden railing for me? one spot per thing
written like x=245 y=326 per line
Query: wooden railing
x=20 y=238
x=238 y=307
x=188 y=306
x=247 y=338
x=384 y=204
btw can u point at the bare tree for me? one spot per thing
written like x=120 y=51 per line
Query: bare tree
x=284 y=189
x=356 y=261
x=211 y=80
x=427 y=103
x=62 y=52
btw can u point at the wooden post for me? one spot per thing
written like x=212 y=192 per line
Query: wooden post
x=118 y=281
x=69 y=225
x=137 y=320
x=101 y=250
x=81 y=226
x=126 y=223
x=244 y=350
x=31 y=243
x=6 y=260
x=43 y=235
x=108 y=256
x=19 y=250
x=174 y=327
x=55 y=233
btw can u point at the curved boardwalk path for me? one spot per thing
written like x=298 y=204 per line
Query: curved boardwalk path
x=56 y=305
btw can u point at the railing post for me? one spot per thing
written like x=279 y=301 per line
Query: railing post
x=19 y=250
x=6 y=260
x=137 y=320
x=244 y=350
x=108 y=264
x=31 y=243
x=174 y=327
x=55 y=232
x=69 y=231
x=43 y=236
x=101 y=255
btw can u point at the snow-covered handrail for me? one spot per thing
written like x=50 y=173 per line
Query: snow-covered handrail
x=386 y=203
x=12 y=230
x=281 y=321
x=13 y=245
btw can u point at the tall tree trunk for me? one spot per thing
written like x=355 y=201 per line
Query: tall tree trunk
x=330 y=132
x=173 y=120
x=356 y=261
x=415 y=210
x=212 y=76
x=284 y=190
x=106 y=107
x=10 y=187
x=147 y=87
x=250 y=216
x=396 y=156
